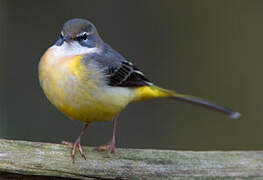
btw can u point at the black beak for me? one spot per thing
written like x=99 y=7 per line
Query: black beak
x=61 y=40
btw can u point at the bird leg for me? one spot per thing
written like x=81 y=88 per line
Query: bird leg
x=111 y=146
x=77 y=144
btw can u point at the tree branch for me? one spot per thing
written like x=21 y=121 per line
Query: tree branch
x=45 y=160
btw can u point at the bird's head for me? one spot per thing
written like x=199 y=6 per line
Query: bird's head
x=79 y=32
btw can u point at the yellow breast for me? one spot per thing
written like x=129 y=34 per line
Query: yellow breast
x=80 y=90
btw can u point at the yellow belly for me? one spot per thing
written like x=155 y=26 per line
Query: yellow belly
x=79 y=90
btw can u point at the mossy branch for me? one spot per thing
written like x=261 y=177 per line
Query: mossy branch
x=44 y=160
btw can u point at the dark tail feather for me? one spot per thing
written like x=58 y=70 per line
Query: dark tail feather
x=206 y=104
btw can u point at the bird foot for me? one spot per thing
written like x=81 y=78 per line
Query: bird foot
x=110 y=148
x=76 y=144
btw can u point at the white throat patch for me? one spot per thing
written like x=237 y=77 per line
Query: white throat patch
x=72 y=49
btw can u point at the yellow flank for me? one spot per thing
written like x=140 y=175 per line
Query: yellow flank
x=75 y=66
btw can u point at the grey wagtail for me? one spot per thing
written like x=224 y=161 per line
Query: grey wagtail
x=89 y=81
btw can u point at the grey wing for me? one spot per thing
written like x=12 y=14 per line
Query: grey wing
x=119 y=71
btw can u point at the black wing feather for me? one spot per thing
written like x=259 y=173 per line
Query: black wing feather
x=127 y=75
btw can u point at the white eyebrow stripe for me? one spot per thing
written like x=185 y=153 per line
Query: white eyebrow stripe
x=84 y=33
x=81 y=34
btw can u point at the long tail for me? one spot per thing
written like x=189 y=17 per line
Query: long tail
x=150 y=92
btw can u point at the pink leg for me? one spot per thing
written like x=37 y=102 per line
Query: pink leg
x=111 y=146
x=77 y=144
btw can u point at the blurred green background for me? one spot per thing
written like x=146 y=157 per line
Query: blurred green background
x=211 y=49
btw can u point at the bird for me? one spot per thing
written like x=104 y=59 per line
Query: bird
x=87 y=80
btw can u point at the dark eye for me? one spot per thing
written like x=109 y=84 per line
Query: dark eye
x=81 y=38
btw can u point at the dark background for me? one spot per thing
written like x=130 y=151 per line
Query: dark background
x=211 y=49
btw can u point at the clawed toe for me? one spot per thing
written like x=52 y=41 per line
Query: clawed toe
x=110 y=148
x=76 y=144
x=67 y=143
